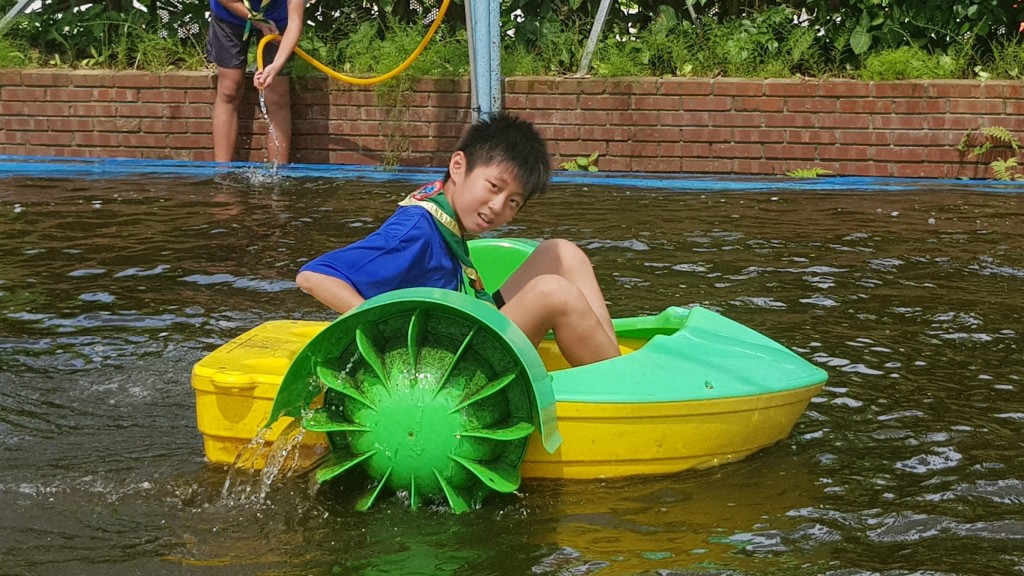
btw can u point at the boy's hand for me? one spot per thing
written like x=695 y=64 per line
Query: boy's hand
x=266 y=27
x=263 y=78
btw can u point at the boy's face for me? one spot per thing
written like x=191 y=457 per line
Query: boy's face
x=485 y=198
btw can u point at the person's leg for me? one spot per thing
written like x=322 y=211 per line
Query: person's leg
x=551 y=302
x=279 y=110
x=565 y=259
x=230 y=91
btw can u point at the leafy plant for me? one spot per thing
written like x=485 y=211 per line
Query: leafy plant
x=994 y=137
x=581 y=164
x=813 y=172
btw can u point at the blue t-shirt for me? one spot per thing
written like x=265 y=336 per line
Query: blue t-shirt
x=407 y=251
x=276 y=11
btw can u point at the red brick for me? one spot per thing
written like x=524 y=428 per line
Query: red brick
x=683 y=118
x=706 y=135
x=810 y=136
x=554 y=102
x=572 y=149
x=952 y=123
x=901 y=89
x=737 y=151
x=44 y=78
x=737 y=119
x=708 y=103
x=845 y=121
x=681 y=150
x=844 y=88
x=976 y=106
x=633 y=119
x=43 y=108
x=162 y=126
x=656 y=165
x=763 y=104
x=685 y=87
x=656 y=103
x=918 y=170
x=605 y=133
x=64 y=124
x=793 y=88
x=790 y=151
x=140 y=110
x=920 y=106
x=196 y=80
x=898 y=154
x=737 y=87
x=862 y=138
x=864 y=106
x=133 y=79
x=844 y=153
x=863 y=169
x=656 y=134
x=97 y=139
x=788 y=120
x=49 y=138
x=603 y=102
x=917 y=138
x=18 y=94
x=614 y=164
x=800 y=105
x=760 y=135
x=163 y=95
x=711 y=165
x=1002 y=90
x=899 y=122
x=143 y=140
x=953 y=89
x=648 y=149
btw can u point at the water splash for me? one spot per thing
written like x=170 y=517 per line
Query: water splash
x=270 y=129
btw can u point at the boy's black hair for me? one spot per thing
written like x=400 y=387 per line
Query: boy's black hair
x=507 y=139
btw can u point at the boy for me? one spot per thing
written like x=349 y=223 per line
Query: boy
x=233 y=24
x=499 y=164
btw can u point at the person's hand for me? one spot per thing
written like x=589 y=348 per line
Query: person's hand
x=266 y=27
x=263 y=78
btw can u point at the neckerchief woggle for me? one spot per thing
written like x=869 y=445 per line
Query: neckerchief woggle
x=254 y=16
x=431 y=198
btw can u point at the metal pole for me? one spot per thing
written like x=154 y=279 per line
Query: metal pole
x=595 y=35
x=485 y=54
x=474 y=101
x=18 y=9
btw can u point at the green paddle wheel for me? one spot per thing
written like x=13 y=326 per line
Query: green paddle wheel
x=431 y=392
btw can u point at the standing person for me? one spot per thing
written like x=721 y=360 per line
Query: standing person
x=498 y=165
x=233 y=25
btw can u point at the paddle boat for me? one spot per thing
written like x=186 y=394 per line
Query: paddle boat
x=437 y=395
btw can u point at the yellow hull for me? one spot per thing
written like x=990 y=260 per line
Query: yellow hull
x=236 y=385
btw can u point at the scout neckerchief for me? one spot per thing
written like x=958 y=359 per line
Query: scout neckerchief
x=254 y=16
x=431 y=197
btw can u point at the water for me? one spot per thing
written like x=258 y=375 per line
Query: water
x=908 y=462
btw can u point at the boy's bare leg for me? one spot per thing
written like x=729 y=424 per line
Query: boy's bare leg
x=550 y=302
x=565 y=259
x=230 y=91
x=279 y=108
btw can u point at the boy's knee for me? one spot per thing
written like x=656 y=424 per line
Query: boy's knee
x=567 y=252
x=552 y=291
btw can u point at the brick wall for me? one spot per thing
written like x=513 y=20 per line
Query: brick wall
x=691 y=125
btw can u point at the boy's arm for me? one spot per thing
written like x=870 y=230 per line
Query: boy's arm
x=236 y=7
x=332 y=292
x=289 y=40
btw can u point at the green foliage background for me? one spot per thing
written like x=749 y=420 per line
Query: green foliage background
x=869 y=39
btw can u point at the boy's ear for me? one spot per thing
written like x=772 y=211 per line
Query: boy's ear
x=457 y=165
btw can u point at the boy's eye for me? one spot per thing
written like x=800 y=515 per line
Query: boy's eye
x=515 y=202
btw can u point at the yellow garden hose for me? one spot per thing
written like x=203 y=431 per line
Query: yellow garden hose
x=351 y=79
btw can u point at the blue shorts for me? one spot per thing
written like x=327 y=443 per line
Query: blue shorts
x=226 y=48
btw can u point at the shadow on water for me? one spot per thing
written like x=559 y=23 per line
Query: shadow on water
x=907 y=462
